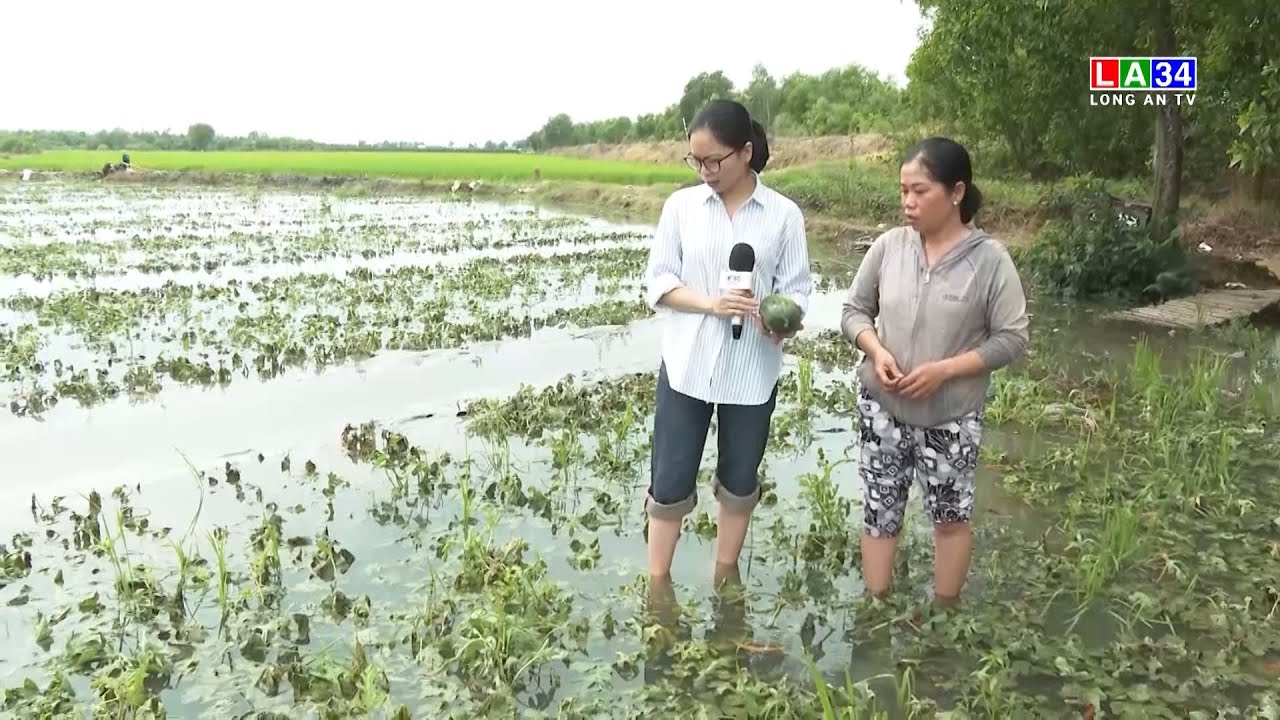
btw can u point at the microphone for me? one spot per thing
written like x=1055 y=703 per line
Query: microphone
x=742 y=260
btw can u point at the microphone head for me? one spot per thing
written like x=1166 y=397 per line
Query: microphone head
x=742 y=258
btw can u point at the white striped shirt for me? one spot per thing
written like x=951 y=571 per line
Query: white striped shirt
x=691 y=249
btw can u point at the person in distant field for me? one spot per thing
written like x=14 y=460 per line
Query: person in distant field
x=703 y=369
x=936 y=306
x=125 y=165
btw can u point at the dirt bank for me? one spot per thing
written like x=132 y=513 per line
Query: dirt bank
x=783 y=151
x=1236 y=232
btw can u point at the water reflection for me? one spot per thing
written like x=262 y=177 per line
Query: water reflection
x=121 y=442
x=11 y=285
x=663 y=613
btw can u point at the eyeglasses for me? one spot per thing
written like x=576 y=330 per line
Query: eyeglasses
x=711 y=164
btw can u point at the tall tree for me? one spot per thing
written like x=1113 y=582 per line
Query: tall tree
x=200 y=136
x=761 y=96
x=1014 y=71
x=1167 y=186
x=702 y=89
x=1257 y=148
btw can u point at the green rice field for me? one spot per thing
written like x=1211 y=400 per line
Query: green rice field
x=493 y=167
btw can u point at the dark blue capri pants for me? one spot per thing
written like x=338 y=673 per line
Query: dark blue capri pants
x=680 y=429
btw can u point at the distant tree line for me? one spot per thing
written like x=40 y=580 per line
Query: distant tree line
x=840 y=101
x=1009 y=77
x=200 y=136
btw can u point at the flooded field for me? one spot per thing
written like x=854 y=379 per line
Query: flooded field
x=280 y=455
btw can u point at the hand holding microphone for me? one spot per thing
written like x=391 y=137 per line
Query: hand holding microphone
x=734 y=304
x=737 y=298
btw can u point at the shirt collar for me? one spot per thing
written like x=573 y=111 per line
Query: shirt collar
x=757 y=195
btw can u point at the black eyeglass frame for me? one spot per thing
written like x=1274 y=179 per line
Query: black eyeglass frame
x=695 y=163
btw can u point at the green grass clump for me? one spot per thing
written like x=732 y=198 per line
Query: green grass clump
x=494 y=167
x=868 y=192
x=850 y=189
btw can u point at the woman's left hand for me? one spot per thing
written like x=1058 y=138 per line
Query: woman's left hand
x=775 y=338
x=925 y=380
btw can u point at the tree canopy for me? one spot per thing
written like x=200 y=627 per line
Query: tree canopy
x=1009 y=77
x=840 y=101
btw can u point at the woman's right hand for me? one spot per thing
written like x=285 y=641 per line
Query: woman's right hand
x=886 y=368
x=730 y=304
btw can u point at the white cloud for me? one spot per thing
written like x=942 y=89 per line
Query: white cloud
x=374 y=70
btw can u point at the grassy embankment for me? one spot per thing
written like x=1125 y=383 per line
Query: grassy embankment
x=849 y=198
x=859 y=190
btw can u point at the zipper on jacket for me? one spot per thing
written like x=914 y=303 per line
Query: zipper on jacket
x=921 y=292
x=922 y=259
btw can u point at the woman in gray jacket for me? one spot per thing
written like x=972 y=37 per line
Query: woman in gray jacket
x=936 y=306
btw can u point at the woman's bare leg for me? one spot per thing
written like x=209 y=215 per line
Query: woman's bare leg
x=953 y=549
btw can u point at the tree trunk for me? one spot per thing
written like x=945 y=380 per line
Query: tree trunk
x=1168 y=151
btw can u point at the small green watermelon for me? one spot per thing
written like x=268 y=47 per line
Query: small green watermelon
x=780 y=314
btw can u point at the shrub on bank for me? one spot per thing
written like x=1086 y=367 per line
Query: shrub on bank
x=1094 y=245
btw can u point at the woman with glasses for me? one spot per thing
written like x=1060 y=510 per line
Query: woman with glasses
x=705 y=365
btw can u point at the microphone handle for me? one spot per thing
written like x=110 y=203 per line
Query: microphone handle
x=734 y=281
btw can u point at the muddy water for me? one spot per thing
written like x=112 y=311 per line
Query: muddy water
x=95 y=213
x=123 y=442
x=152 y=447
x=128 y=442
x=131 y=240
x=138 y=280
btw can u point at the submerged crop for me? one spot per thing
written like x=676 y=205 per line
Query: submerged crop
x=486 y=558
x=445 y=279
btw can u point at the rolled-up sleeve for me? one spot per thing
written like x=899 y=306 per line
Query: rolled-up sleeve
x=862 y=303
x=1007 y=323
x=665 y=257
x=793 y=277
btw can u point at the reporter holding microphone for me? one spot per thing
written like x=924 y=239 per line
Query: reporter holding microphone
x=720 y=247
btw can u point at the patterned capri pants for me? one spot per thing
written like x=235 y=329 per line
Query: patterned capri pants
x=942 y=460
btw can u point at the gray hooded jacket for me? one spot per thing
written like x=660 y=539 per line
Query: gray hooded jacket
x=972 y=299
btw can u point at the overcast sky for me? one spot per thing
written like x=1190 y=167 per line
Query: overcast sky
x=462 y=71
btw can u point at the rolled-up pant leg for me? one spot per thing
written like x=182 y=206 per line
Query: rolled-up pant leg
x=680 y=427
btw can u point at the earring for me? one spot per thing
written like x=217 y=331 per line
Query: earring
x=955 y=202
